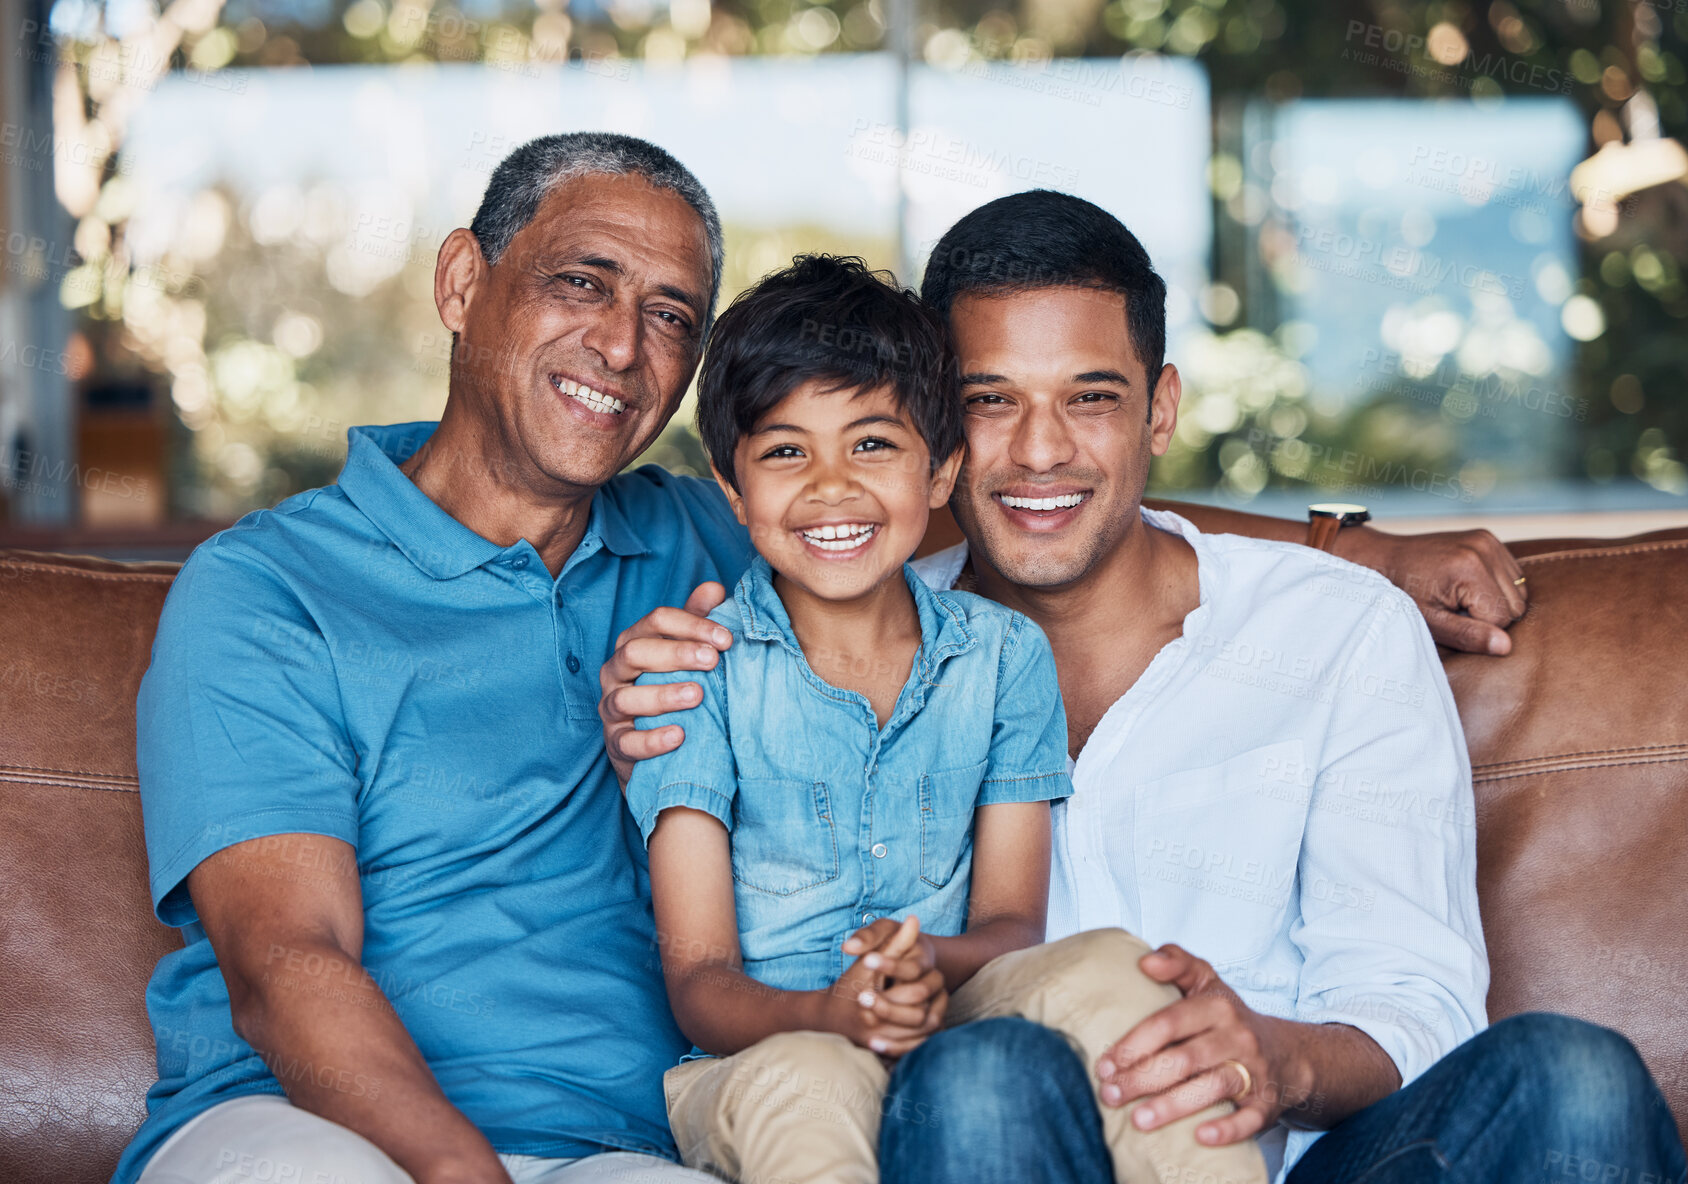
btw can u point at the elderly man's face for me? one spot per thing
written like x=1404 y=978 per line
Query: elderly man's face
x=574 y=349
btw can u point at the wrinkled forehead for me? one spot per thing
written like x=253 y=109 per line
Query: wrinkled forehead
x=647 y=230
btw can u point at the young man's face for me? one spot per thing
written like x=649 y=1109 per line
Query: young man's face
x=1059 y=430
x=835 y=487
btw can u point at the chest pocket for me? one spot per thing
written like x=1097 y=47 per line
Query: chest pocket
x=784 y=841
x=1217 y=850
x=947 y=801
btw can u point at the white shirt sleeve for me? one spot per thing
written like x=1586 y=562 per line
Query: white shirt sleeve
x=1388 y=925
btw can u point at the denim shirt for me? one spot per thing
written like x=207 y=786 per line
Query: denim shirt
x=834 y=820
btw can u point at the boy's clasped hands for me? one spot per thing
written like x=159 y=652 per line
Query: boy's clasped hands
x=893 y=996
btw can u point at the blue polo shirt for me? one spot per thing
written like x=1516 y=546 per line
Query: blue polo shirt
x=359 y=664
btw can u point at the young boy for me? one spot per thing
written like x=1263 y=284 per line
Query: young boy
x=868 y=748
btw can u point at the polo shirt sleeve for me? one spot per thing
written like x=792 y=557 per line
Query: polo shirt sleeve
x=239 y=729
x=701 y=773
x=1028 y=757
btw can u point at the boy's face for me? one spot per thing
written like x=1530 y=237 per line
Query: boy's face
x=1060 y=430
x=835 y=487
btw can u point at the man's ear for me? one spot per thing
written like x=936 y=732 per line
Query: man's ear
x=1163 y=409
x=457 y=273
x=943 y=480
x=734 y=498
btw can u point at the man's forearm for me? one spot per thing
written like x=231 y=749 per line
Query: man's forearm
x=1350 y=543
x=1213 y=520
x=1332 y=1071
x=340 y=1051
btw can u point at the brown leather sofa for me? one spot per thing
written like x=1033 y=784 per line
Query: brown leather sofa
x=1579 y=743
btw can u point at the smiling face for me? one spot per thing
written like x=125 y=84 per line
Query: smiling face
x=836 y=487
x=575 y=347
x=1059 y=430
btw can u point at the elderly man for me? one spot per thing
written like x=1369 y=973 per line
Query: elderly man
x=378 y=805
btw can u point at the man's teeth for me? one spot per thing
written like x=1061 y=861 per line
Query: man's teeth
x=1062 y=502
x=839 y=538
x=597 y=402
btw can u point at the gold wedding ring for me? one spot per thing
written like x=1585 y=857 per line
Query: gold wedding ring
x=1519 y=580
x=1248 y=1079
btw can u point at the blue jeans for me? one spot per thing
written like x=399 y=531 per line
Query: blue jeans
x=999 y=1101
x=1536 y=1099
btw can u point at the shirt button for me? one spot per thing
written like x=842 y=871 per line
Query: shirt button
x=869 y=918
x=573 y=664
x=559 y=596
x=879 y=850
x=519 y=561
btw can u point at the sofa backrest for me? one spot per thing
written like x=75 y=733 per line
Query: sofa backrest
x=1579 y=745
x=1579 y=753
x=76 y=1052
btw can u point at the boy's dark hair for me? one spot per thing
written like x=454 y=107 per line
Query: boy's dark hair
x=830 y=318
x=1044 y=239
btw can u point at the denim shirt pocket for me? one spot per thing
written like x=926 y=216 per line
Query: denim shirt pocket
x=784 y=841
x=947 y=802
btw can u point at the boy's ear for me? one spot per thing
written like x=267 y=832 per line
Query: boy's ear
x=734 y=498
x=943 y=480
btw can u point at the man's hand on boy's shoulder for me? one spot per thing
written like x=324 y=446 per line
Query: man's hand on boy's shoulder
x=662 y=641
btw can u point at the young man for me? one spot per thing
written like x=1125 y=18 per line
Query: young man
x=1237 y=709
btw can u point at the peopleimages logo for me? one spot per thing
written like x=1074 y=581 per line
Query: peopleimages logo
x=1394 y=50
x=947 y=157
x=32 y=472
x=1441 y=380
x=1397 y=264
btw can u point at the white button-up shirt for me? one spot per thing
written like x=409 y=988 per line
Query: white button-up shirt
x=1285 y=792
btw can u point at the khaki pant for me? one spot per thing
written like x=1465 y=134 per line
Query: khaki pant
x=804 y=1107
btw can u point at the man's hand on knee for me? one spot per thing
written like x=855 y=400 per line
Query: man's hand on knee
x=1206 y=1048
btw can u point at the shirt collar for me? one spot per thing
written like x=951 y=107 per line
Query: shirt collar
x=609 y=523
x=944 y=631
x=1210 y=562
x=432 y=539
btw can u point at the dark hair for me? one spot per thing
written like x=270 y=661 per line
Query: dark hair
x=1044 y=239
x=523 y=178
x=829 y=318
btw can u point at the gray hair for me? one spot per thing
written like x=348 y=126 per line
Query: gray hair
x=522 y=179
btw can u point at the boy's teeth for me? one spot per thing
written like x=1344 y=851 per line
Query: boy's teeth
x=1061 y=502
x=597 y=402
x=839 y=538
